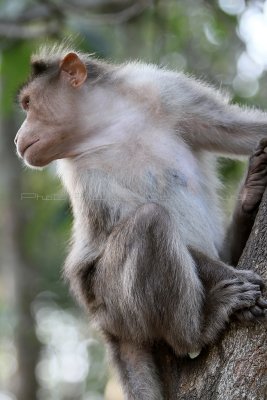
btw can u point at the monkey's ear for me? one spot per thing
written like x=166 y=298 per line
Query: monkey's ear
x=73 y=69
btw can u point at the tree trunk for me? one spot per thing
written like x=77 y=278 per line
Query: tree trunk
x=235 y=368
x=19 y=274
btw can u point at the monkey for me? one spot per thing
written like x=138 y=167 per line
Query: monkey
x=136 y=148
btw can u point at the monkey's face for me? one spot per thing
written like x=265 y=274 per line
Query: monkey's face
x=51 y=128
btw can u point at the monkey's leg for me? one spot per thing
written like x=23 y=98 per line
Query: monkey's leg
x=137 y=370
x=247 y=205
x=156 y=293
x=157 y=274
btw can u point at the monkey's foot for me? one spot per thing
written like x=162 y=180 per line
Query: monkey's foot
x=256 y=180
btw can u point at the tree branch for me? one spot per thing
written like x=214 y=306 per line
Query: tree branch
x=43 y=19
x=15 y=31
x=119 y=17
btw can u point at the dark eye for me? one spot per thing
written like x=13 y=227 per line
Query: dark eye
x=25 y=103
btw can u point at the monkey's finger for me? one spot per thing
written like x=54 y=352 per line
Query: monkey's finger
x=262 y=318
x=253 y=277
x=247 y=287
x=263 y=143
x=261 y=302
x=257 y=166
x=261 y=146
x=257 y=311
x=245 y=315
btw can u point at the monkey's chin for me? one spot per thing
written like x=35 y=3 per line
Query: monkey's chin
x=34 y=162
x=31 y=166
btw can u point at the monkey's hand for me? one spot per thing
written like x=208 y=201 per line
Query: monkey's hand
x=235 y=294
x=256 y=180
x=226 y=299
x=258 y=312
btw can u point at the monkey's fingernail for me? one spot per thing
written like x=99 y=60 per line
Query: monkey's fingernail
x=194 y=354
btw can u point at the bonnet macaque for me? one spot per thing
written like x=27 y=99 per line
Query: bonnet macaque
x=136 y=147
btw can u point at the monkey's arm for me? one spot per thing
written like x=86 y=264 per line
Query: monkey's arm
x=237 y=235
x=207 y=121
x=247 y=205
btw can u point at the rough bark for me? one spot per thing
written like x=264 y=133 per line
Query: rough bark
x=235 y=368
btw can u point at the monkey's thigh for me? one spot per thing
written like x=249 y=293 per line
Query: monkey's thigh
x=151 y=287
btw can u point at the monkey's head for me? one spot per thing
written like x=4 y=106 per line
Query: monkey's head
x=52 y=100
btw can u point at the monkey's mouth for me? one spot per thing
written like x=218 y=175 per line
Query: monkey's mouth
x=28 y=146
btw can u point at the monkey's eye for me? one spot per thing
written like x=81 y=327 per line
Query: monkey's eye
x=25 y=103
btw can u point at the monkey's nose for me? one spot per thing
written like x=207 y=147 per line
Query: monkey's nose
x=16 y=139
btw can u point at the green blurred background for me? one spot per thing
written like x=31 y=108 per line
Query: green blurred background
x=47 y=348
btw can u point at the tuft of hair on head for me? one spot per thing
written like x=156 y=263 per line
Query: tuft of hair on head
x=47 y=58
x=51 y=55
x=51 y=52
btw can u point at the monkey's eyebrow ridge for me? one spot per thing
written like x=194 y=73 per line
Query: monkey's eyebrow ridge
x=21 y=89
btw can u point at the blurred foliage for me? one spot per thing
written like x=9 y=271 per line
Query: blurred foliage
x=201 y=38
